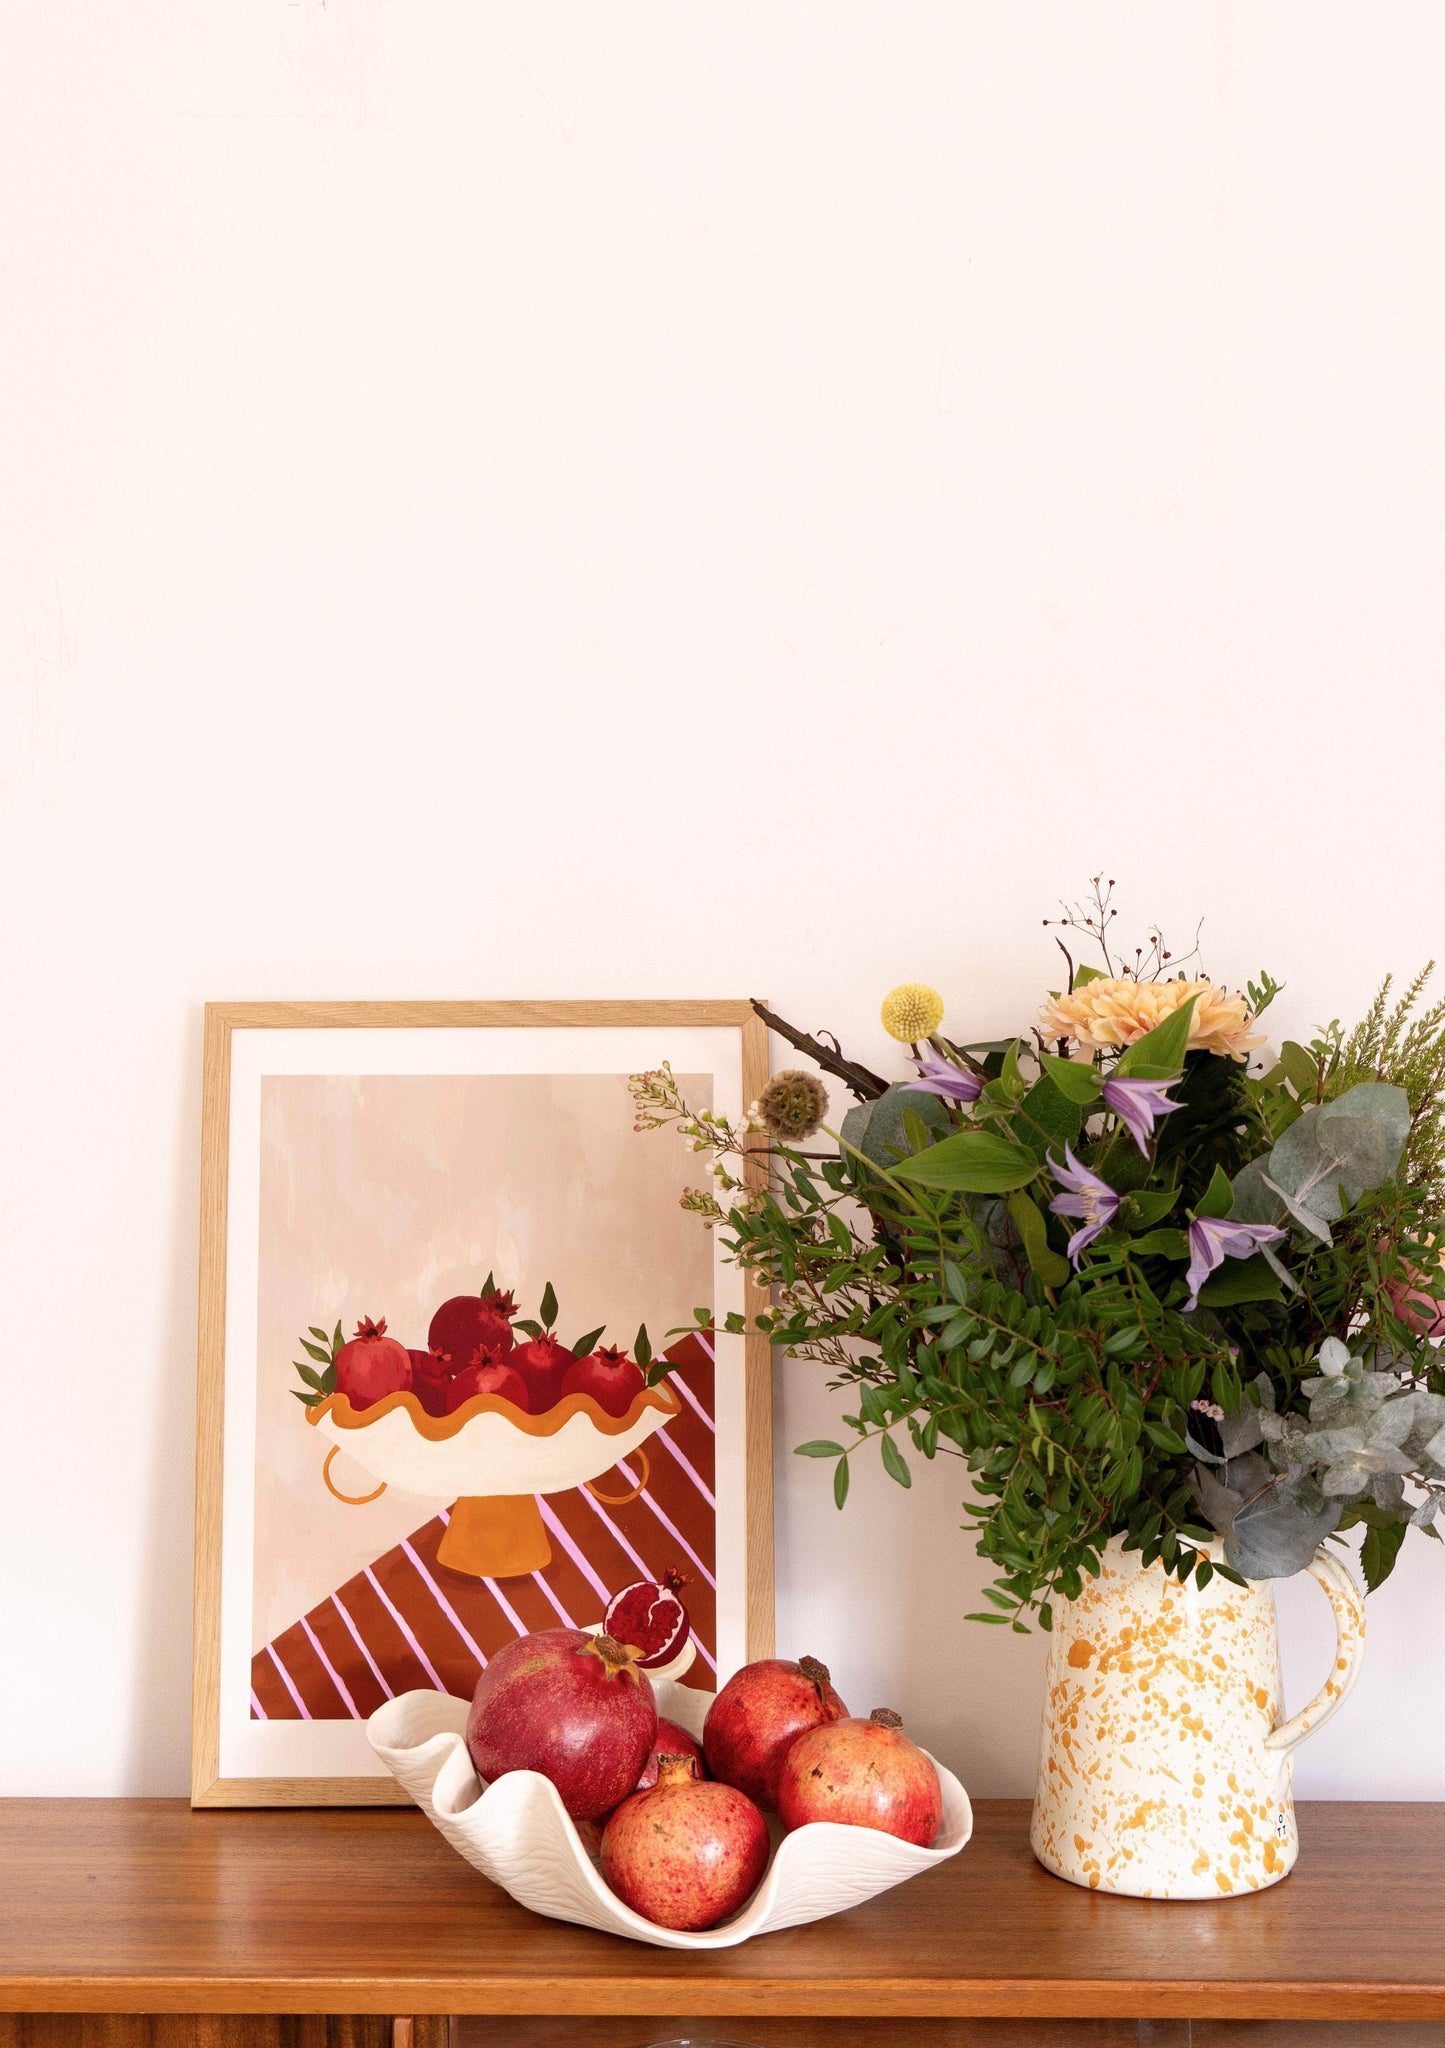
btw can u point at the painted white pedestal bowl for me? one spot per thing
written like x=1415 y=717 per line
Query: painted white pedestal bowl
x=492 y=1459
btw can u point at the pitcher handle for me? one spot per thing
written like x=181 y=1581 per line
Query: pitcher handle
x=1348 y=1603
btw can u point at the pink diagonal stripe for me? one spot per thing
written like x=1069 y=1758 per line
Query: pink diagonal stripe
x=258 y=1712
x=661 y=1437
x=331 y=1672
x=421 y=1655
x=506 y=1606
x=673 y=1531
x=302 y=1708
x=497 y=1594
x=445 y=1605
x=688 y=1395
x=565 y=1617
x=573 y=1552
x=375 y=1669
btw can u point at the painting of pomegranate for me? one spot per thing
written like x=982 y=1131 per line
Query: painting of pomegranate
x=469 y=1370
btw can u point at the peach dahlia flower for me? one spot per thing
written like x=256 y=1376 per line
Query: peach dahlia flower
x=1110 y=1013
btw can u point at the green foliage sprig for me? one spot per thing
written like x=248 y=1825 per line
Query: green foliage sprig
x=925 y=1262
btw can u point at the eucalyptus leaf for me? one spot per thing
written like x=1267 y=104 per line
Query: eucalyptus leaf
x=1266 y=1536
x=1342 y=1148
x=877 y=1129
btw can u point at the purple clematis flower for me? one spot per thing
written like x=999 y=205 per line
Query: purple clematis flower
x=1213 y=1239
x=1089 y=1198
x=938 y=1076
x=1137 y=1104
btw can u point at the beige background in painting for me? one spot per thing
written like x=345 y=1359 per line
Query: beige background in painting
x=382 y=1195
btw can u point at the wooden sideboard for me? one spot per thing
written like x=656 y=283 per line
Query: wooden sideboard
x=139 y=1924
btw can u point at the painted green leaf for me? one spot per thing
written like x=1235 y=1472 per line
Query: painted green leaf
x=819 y=1448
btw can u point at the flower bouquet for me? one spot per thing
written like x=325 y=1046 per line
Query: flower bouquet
x=1147 y=1285
x=1173 y=1304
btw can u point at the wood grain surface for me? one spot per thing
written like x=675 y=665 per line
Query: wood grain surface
x=143 y=1906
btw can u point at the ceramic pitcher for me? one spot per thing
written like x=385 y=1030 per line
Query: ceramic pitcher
x=1165 y=1765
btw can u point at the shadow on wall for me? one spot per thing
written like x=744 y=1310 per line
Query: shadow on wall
x=159 y=1750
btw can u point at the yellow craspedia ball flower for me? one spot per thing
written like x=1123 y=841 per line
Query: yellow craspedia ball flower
x=912 y=1011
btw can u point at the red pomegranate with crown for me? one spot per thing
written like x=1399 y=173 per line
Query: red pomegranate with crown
x=469 y=1320
x=757 y=1717
x=431 y=1378
x=372 y=1365
x=608 y=1375
x=488 y=1373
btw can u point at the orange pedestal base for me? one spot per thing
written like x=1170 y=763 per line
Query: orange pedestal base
x=498 y=1537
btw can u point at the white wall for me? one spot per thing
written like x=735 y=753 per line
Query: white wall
x=512 y=498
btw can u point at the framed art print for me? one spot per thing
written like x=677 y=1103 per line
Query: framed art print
x=416 y=1219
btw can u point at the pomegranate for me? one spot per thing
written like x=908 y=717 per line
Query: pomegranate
x=651 y=1617
x=488 y=1373
x=468 y=1320
x=543 y=1364
x=431 y=1373
x=571 y=1706
x=759 y=1714
x=685 y=1854
x=866 y=1773
x=671 y=1741
x=609 y=1376
x=372 y=1365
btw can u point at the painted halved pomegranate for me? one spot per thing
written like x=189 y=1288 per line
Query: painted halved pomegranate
x=652 y=1618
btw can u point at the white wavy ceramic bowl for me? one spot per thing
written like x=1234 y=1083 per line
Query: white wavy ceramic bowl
x=488 y=1447
x=517 y=1833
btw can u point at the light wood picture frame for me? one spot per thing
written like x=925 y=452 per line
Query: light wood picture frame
x=352 y=1151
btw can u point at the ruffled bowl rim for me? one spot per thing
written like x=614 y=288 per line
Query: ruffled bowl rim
x=442 y=1428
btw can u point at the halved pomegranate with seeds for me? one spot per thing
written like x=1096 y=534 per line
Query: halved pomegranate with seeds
x=651 y=1617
